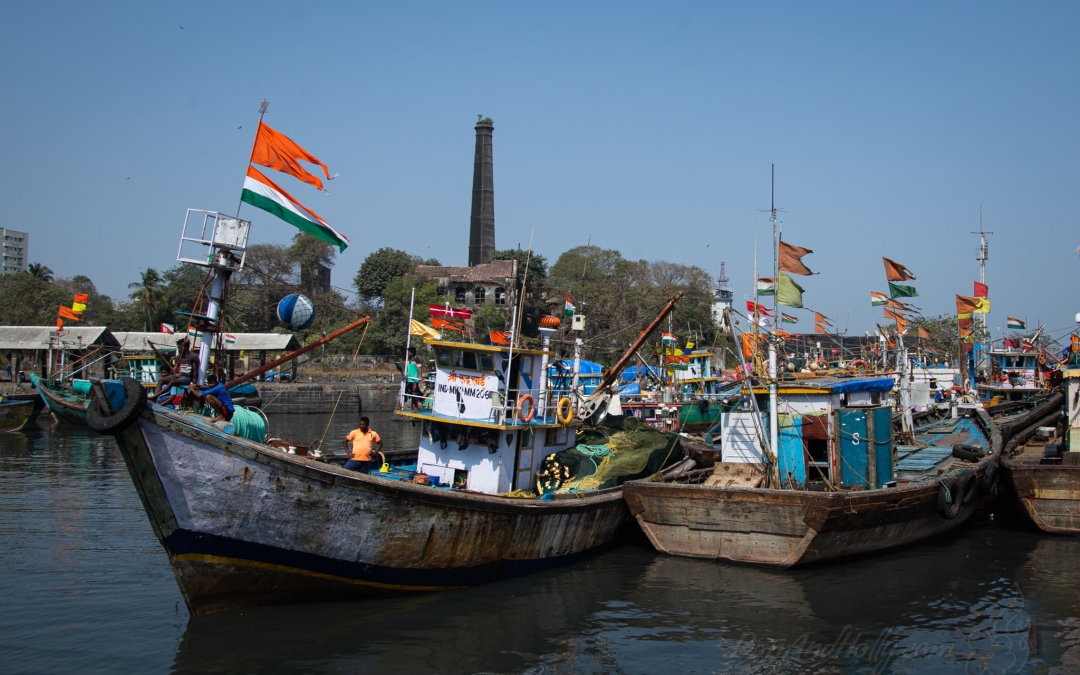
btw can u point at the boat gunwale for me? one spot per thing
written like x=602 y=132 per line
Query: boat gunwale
x=339 y=477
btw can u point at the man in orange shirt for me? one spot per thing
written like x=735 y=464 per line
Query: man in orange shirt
x=365 y=444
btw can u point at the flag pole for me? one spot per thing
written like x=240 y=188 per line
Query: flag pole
x=262 y=111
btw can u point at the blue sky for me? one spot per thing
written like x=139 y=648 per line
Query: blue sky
x=649 y=126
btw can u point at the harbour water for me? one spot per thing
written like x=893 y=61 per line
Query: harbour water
x=85 y=587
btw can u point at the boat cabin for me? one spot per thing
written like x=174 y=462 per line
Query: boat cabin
x=1071 y=383
x=1013 y=374
x=490 y=417
x=832 y=432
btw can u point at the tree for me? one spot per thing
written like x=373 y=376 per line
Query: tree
x=39 y=271
x=150 y=292
x=531 y=283
x=379 y=269
x=390 y=324
x=29 y=300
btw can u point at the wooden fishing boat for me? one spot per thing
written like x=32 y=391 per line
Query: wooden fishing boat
x=67 y=404
x=1041 y=464
x=862 y=500
x=15 y=414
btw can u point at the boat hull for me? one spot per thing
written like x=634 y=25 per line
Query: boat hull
x=244 y=524
x=68 y=407
x=1048 y=495
x=15 y=414
x=785 y=528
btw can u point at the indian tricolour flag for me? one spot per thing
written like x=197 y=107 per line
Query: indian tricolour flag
x=230 y=339
x=669 y=337
x=263 y=193
x=1012 y=323
x=766 y=286
x=569 y=309
x=877 y=298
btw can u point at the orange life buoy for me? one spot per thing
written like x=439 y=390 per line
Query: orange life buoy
x=822 y=363
x=565 y=417
x=526 y=417
x=858 y=364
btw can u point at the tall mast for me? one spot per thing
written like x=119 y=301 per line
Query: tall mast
x=262 y=111
x=984 y=255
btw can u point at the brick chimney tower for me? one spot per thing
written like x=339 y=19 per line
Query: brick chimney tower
x=482 y=221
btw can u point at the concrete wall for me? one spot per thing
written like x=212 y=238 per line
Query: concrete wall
x=321 y=398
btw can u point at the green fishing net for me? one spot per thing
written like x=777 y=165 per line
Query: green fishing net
x=618 y=450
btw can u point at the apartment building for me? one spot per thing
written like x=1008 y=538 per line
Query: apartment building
x=16 y=250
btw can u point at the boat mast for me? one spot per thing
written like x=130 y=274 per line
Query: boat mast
x=984 y=255
x=774 y=417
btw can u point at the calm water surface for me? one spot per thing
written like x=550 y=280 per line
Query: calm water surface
x=85 y=588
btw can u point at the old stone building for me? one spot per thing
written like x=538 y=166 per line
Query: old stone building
x=486 y=284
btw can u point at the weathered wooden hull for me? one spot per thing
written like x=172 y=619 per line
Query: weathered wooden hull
x=15 y=414
x=244 y=524
x=71 y=409
x=785 y=528
x=1047 y=494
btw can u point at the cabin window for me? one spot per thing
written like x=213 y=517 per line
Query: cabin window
x=460 y=294
x=479 y=294
x=526 y=438
x=467 y=360
x=500 y=296
x=555 y=437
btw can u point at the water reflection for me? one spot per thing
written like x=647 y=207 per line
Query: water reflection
x=86 y=586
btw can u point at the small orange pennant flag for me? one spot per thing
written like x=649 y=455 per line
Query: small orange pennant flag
x=894 y=271
x=791 y=259
x=67 y=313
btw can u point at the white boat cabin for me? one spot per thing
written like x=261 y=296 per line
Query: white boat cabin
x=489 y=418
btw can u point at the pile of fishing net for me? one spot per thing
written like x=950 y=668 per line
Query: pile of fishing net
x=618 y=450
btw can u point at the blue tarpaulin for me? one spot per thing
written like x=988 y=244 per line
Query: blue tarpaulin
x=630 y=374
x=881 y=384
x=631 y=389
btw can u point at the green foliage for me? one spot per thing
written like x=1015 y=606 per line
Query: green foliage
x=390 y=324
x=149 y=295
x=943 y=345
x=29 y=300
x=379 y=269
x=619 y=297
x=39 y=271
x=532 y=275
x=488 y=318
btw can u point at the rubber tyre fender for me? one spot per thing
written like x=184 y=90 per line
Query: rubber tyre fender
x=968 y=453
x=967 y=485
x=948 y=501
x=98 y=419
x=989 y=479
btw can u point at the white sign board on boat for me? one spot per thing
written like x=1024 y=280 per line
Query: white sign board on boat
x=464 y=394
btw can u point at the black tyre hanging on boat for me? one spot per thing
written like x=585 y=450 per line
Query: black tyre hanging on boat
x=968 y=453
x=989 y=479
x=948 y=502
x=101 y=420
x=967 y=485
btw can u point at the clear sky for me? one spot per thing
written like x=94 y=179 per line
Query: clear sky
x=649 y=126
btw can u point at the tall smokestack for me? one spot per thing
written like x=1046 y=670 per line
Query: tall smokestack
x=482 y=221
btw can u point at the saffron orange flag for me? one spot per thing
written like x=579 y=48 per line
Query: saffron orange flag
x=821 y=318
x=818 y=328
x=965 y=306
x=894 y=271
x=791 y=259
x=67 y=313
x=277 y=151
x=923 y=333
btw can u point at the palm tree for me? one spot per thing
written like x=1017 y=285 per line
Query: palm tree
x=149 y=291
x=39 y=271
